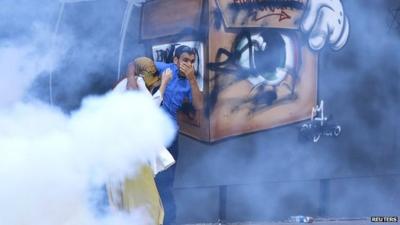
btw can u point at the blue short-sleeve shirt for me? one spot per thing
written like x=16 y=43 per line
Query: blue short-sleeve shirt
x=177 y=91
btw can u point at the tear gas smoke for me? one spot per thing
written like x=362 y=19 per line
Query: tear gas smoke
x=51 y=162
x=21 y=61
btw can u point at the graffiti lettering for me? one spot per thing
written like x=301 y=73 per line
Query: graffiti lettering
x=319 y=109
x=319 y=126
x=266 y=4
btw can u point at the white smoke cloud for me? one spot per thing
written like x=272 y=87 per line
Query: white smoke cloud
x=50 y=162
x=22 y=60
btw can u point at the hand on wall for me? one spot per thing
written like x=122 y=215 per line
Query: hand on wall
x=323 y=21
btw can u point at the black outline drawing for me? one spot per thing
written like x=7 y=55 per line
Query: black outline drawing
x=259 y=98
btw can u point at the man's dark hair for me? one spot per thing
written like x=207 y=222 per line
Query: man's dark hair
x=184 y=49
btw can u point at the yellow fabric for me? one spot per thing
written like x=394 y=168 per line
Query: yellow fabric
x=141 y=191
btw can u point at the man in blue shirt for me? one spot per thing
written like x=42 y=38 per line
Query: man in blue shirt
x=181 y=88
x=183 y=85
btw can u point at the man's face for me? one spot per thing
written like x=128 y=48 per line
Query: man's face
x=185 y=58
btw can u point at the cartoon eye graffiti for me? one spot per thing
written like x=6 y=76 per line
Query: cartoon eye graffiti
x=268 y=59
x=269 y=56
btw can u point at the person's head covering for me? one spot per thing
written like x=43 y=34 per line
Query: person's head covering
x=145 y=68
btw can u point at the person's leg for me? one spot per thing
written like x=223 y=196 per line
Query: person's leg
x=165 y=182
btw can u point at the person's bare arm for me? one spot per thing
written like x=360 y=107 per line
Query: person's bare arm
x=197 y=96
x=132 y=82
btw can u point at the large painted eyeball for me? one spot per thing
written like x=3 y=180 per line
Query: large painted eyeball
x=269 y=56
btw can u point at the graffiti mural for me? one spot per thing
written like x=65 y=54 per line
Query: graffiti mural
x=268 y=60
x=254 y=73
x=258 y=59
x=264 y=72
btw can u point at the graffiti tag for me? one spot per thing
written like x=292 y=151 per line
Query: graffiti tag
x=319 y=126
x=265 y=5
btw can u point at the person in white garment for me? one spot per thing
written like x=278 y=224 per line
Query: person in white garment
x=141 y=190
